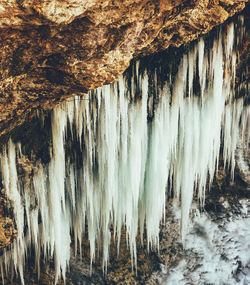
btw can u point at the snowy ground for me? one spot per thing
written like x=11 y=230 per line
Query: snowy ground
x=217 y=250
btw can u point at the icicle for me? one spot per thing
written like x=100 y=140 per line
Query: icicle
x=229 y=40
x=10 y=183
x=120 y=177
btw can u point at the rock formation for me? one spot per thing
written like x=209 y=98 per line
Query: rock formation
x=7 y=226
x=50 y=50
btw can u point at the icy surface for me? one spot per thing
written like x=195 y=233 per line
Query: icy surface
x=217 y=252
x=134 y=149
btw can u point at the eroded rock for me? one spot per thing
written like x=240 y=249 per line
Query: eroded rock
x=50 y=50
x=8 y=230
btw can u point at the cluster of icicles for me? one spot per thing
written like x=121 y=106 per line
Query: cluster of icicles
x=129 y=163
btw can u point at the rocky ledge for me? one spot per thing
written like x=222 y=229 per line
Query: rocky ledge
x=50 y=50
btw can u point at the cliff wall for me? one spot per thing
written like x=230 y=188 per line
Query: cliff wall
x=50 y=50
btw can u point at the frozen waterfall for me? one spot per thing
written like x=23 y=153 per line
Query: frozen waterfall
x=130 y=145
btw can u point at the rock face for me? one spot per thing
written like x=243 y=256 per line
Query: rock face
x=50 y=50
x=7 y=226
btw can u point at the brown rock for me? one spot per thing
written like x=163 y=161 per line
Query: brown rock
x=50 y=50
x=8 y=230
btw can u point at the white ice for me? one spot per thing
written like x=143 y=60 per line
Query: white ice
x=128 y=162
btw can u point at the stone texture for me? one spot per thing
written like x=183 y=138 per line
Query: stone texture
x=8 y=230
x=50 y=50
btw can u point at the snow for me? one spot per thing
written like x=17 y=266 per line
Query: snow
x=217 y=252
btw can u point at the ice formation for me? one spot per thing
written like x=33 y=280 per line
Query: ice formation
x=220 y=253
x=128 y=161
